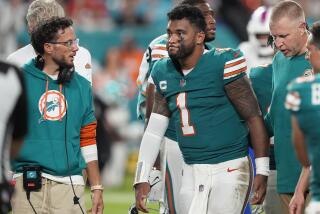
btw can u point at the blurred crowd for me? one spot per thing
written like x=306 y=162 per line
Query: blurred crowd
x=97 y=15
x=115 y=74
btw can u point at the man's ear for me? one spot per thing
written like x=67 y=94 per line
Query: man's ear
x=48 y=48
x=302 y=28
x=200 y=37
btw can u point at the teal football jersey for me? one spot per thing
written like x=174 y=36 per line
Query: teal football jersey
x=303 y=100
x=261 y=81
x=156 y=50
x=209 y=130
x=285 y=69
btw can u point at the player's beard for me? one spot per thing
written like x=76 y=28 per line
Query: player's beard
x=210 y=37
x=183 y=51
x=62 y=63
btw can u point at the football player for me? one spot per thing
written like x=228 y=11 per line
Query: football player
x=303 y=100
x=256 y=50
x=204 y=93
x=171 y=157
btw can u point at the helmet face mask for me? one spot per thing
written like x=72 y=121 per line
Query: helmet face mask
x=263 y=39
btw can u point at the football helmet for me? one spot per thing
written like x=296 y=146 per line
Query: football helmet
x=258 y=31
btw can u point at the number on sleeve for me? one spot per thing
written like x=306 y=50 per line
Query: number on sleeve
x=187 y=129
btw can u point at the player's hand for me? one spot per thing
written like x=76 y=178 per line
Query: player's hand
x=142 y=190
x=259 y=189
x=97 y=202
x=296 y=205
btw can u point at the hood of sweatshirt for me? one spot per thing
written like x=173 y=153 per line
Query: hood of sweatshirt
x=41 y=75
x=34 y=71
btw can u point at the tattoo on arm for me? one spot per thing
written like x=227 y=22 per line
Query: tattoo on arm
x=243 y=98
x=160 y=105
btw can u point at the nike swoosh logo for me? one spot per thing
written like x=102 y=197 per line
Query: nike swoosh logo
x=231 y=170
x=155 y=181
x=156 y=178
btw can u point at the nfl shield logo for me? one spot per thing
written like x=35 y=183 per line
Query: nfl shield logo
x=183 y=82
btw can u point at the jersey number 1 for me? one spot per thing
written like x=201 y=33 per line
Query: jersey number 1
x=187 y=129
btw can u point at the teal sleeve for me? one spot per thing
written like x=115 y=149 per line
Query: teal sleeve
x=235 y=65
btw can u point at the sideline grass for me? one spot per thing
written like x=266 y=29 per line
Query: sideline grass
x=116 y=200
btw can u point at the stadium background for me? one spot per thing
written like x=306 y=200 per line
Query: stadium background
x=117 y=32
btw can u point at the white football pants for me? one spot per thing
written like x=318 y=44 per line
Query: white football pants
x=222 y=188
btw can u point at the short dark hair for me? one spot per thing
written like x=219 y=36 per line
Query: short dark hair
x=193 y=2
x=191 y=13
x=315 y=32
x=47 y=32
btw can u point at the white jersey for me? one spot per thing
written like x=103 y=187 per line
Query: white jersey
x=82 y=60
x=254 y=58
x=155 y=51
